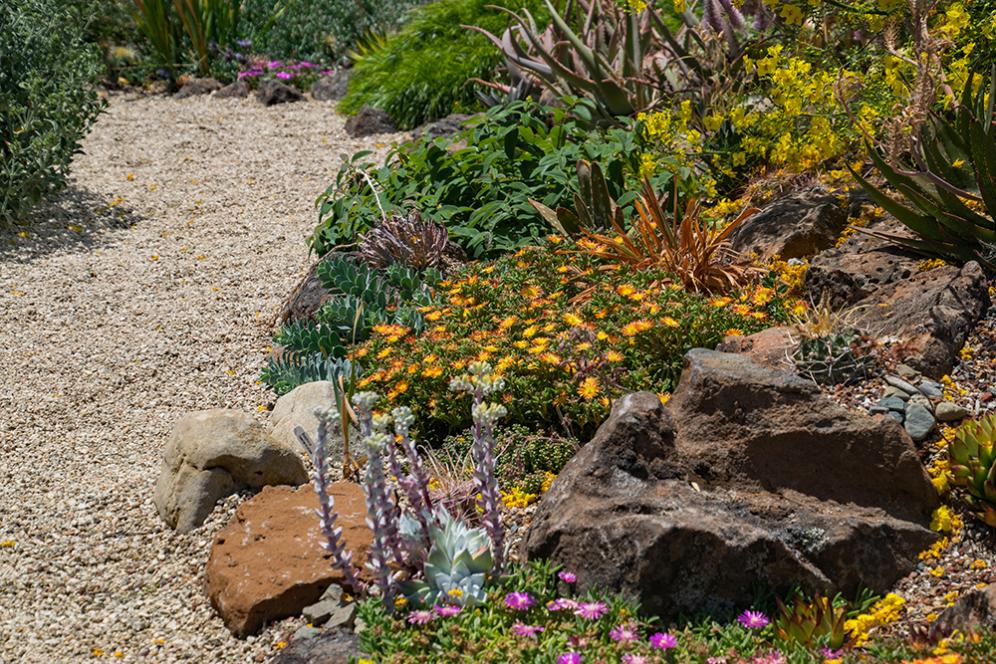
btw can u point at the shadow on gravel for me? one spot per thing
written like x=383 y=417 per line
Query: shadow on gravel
x=73 y=220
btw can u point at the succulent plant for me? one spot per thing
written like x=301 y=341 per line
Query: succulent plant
x=973 y=465
x=409 y=240
x=841 y=357
x=456 y=568
x=815 y=622
x=594 y=209
x=950 y=188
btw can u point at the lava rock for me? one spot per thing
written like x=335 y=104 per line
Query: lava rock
x=216 y=453
x=795 y=226
x=197 y=86
x=268 y=562
x=451 y=124
x=972 y=612
x=369 y=121
x=332 y=87
x=749 y=468
x=928 y=313
x=236 y=90
x=275 y=92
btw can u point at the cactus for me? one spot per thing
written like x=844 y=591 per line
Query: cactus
x=973 y=465
x=831 y=359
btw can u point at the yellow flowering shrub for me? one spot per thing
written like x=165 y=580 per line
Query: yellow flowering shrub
x=567 y=333
x=887 y=610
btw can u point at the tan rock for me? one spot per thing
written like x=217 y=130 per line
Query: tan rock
x=268 y=563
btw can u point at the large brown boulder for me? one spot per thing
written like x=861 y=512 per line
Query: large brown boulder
x=268 y=562
x=793 y=226
x=974 y=611
x=748 y=478
x=929 y=313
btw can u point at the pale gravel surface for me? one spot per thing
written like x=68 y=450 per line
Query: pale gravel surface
x=145 y=292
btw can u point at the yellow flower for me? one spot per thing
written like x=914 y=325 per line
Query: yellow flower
x=508 y=322
x=720 y=302
x=979 y=564
x=530 y=331
x=937 y=572
x=435 y=315
x=589 y=388
x=432 y=372
x=625 y=290
x=614 y=356
x=454 y=592
x=517 y=498
x=634 y=328
x=734 y=332
x=670 y=322
x=551 y=358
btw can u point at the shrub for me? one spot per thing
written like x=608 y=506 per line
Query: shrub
x=423 y=71
x=47 y=99
x=566 y=333
x=319 y=30
x=479 y=182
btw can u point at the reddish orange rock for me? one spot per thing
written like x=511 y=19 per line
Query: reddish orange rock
x=268 y=564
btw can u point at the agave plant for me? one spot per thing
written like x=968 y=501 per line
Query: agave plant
x=457 y=566
x=811 y=623
x=623 y=61
x=951 y=213
x=410 y=240
x=689 y=247
x=594 y=209
x=973 y=465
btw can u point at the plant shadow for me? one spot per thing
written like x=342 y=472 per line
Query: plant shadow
x=72 y=220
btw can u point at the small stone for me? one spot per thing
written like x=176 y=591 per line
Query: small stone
x=236 y=90
x=947 y=411
x=931 y=389
x=985 y=396
x=369 y=121
x=343 y=616
x=919 y=421
x=878 y=410
x=306 y=633
x=907 y=372
x=892 y=403
x=898 y=382
x=899 y=417
x=891 y=391
x=332 y=593
x=274 y=92
x=359 y=625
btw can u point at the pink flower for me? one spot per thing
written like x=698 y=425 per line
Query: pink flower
x=773 y=657
x=561 y=604
x=519 y=601
x=663 y=641
x=753 y=619
x=624 y=633
x=567 y=577
x=273 y=64
x=569 y=658
x=634 y=659
x=284 y=75
x=448 y=610
x=717 y=660
x=527 y=630
x=327 y=72
x=591 y=610
x=419 y=617
x=830 y=653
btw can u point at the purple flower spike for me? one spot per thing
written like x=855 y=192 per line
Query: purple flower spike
x=624 y=633
x=567 y=577
x=591 y=610
x=448 y=611
x=527 y=631
x=420 y=617
x=569 y=658
x=519 y=601
x=753 y=619
x=663 y=641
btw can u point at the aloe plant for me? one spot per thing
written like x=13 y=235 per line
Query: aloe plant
x=949 y=189
x=973 y=465
x=594 y=209
x=809 y=623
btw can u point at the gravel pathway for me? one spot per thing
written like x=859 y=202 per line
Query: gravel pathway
x=146 y=291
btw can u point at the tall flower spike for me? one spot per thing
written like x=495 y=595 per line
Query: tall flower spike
x=403 y=419
x=380 y=509
x=342 y=558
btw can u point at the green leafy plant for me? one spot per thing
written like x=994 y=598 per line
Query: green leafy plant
x=207 y=23
x=973 y=465
x=456 y=568
x=422 y=72
x=479 y=182
x=48 y=100
x=157 y=20
x=594 y=209
x=949 y=208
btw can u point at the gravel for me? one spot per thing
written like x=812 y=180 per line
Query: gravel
x=144 y=291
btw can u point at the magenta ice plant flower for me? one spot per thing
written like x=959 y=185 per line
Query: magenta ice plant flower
x=773 y=657
x=561 y=604
x=528 y=631
x=448 y=610
x=720 y=659
x=753 y=619
x=284 y=75
x=591 y=610
x=630 y=658
x=569 y=658
x=830 y=653
x=567 y=577
x=419 y=617
x=624 y=633
x=519 y=601
x=663 y=641
x=273 y=64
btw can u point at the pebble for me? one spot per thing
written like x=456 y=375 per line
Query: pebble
x=901 y=384
x=907 y=372
x=892 y=403
x=931 y=389
x=946 y=411
x=919 y=422
x=306 y=632
x=891 y=391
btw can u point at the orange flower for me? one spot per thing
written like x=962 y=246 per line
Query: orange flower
x=432 y=372
x=614 y=356
x=720 y=302
x=589 y=388
x=670 y=322
x=550 y=358
x=634 y=328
